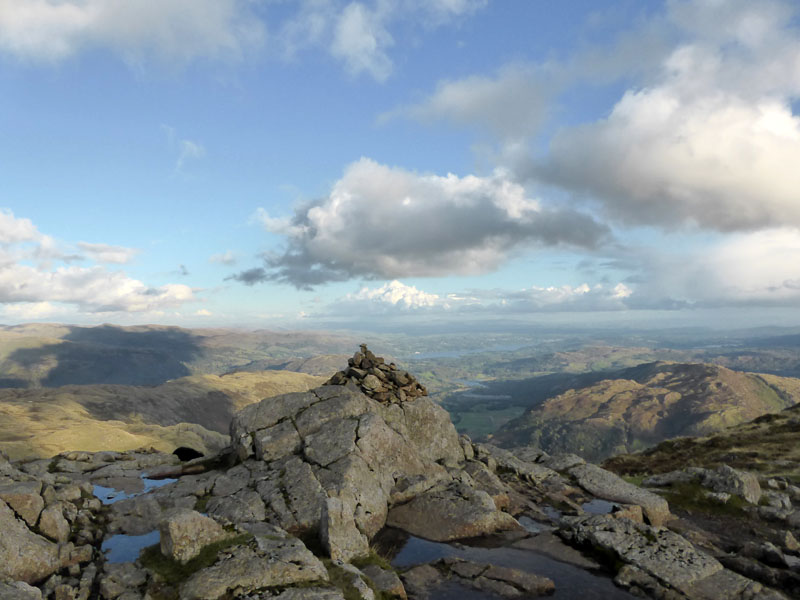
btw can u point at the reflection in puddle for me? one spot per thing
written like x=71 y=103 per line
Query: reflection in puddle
x=598 y=506
x=571 y=582
x=110 y=495
x=533 y=526
x=126 y=548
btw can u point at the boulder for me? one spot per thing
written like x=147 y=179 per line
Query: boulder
x=270 y=561
x=608 y=486
x=451 y=513
x=24 y=555
x=53 y=524
x=24 y=498
x=185 y=532
x=726 y=479
x=661 y=553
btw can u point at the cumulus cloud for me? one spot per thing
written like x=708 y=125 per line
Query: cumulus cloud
x=384 y=222
x=30 y=282
x=711 y=139
x=513 y=104
x=172 y=30
x=397 y=299
x=105 y=253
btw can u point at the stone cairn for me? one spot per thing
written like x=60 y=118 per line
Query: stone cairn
x=378 y=380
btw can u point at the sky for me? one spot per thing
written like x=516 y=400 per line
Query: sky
x=276 y=163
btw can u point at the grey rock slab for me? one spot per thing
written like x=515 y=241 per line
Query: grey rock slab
x=270 y=412
x=561 y=462
x=420 y=580
x=385 y=581
x=19 y=590
x=346 y=403
x=279 y=562
x=658 y=552
x=338 y=531
x=184 y=534
x=277 y=441
x=608 y=486
x=332 y=442
x=356 y=580
x=53 y=524
x=24 y=555
x=24 y=498
x=231 y=481
x=530 y=583
x=506 y=461
x=431 y=432
x=120 y=578
x=304 y=494
x=245 y=505
x=452 y=513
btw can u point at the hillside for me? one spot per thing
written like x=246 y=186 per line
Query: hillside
x=767 y=445
x=49 y=355
x=643 y=405
x=194 y=410
x=324 y=365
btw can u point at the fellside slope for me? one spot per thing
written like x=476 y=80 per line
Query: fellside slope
x=193 y=411
x=646 y=404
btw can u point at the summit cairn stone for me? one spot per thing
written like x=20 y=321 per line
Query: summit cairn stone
x=380 y=381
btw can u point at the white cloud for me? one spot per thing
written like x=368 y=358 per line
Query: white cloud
x=188 y=150
x=223 y=258
x=397 y=299
x=203 y=313
x=360 y=40
x=105 y=253
x=358 y=33
x=385 y=222
x=14 y=230
x=29 y=311
x=512 y=105
x=396 y=294
x=172 y=30
x=30 y=282
x=755 y=268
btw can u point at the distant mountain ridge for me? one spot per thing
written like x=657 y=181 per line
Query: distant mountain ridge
x=51 y=355
x=643 y=405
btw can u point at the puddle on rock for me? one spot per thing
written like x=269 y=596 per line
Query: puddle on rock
x=571 y=582
x=128 y=489
x=126 y=548
x=598 y=506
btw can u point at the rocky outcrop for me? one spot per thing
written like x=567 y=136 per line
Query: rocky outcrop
x=609 y=486
x=377 y=379
x=721 y=480
x=342 y=460
x=185 y=532
x=309 y=485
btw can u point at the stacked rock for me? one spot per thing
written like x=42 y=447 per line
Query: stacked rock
x=378 y=380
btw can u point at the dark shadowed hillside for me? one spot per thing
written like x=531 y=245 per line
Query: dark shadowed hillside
x=44 y=355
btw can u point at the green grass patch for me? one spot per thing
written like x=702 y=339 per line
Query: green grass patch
x=343 y=581
x=202 y=503
x=173 y=572
x=692 y=497
x=373 y=558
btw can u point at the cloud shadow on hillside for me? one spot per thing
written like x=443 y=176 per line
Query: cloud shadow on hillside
x=111 y=355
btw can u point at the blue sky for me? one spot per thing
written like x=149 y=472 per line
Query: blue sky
x=275 y=163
